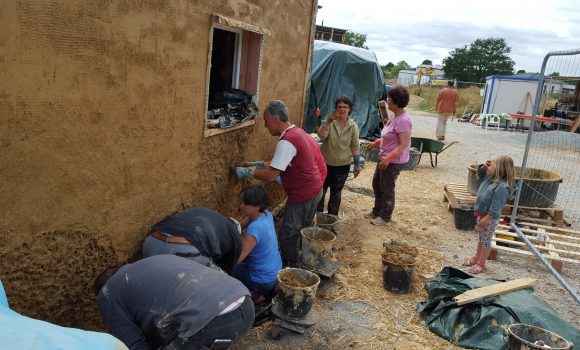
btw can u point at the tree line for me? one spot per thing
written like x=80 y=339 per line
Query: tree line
x=473 y=62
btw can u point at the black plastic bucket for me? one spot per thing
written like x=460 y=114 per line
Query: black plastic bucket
x=296 y=291
x=540 y=187
x=465 y=218
x=523 y=336
x=398 y=272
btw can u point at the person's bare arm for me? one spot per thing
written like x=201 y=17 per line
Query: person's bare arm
x=404 y=142
x=248 y=244
x=268 y=174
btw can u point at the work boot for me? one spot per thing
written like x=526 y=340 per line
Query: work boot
x=379 y=221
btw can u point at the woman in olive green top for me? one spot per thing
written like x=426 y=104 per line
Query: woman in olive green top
x=339 y=135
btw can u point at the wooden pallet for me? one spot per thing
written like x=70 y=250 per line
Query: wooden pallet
x=557 y=245
x=458 y=197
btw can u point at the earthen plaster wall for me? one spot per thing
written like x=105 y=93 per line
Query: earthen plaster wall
x=102 y=107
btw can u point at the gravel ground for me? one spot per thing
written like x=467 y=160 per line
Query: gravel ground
x=474 y=146
x=558 y=151
x=355 y=312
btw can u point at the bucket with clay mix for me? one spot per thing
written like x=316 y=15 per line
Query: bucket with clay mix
x=398 y=247
x=398 y=272
x=523 y=336
x=326 y=221
x=296 y=292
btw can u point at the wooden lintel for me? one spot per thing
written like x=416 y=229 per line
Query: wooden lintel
x=216 y=131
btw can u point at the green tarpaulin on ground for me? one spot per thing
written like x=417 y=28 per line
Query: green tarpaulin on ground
x=479 y=326
x=339 y=70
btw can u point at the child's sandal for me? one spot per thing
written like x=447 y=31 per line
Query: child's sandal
x=469 y=262
x=476 y=268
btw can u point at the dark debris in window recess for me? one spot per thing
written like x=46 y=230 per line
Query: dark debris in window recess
x=230 y=108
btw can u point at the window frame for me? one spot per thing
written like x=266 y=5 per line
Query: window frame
x=237 y=27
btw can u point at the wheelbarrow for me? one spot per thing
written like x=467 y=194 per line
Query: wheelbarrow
x=429 y=146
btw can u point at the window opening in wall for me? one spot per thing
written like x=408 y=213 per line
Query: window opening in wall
x=233 y=78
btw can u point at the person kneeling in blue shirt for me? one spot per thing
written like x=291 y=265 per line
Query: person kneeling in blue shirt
x=260 y=259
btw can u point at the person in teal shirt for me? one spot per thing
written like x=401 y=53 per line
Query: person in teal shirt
x=260 y=259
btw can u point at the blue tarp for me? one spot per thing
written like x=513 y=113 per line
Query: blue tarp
x=339 y=70
x=21 y=332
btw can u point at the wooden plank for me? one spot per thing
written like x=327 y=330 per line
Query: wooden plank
x=548 y=248
x=215 y=131
x=556 y=229
x=535 y=239
x=456 y=185
x=525 y=252
x=452 y=199
x=537 y=220
x=527 y=230
x=534 y=208
x=493 y=290
x=464 y=196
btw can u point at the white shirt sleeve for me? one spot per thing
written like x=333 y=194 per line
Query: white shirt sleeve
x=285 y=152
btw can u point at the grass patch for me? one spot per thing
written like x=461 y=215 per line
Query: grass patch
x=426 y=106
x=469 y=99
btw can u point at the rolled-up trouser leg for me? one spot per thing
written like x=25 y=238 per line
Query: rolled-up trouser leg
x=296 y=217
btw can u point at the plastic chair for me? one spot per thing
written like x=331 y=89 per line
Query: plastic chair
x=493 y=121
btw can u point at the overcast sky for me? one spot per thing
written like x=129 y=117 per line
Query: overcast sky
x=416 y=30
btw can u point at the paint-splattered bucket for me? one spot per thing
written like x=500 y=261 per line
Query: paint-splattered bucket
x=522 y=336
x=316 y=245
x=296 y=291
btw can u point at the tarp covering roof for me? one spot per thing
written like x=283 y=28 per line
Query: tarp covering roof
x=339 y=70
